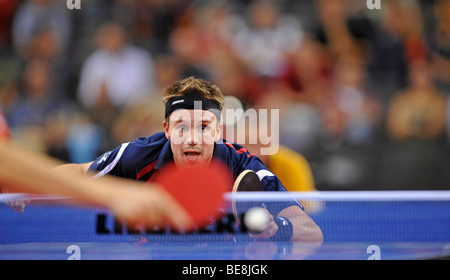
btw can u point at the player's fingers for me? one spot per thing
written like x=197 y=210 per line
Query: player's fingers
x=149 y=208
x=18 y=206
x=176 y=215
x=155 y=208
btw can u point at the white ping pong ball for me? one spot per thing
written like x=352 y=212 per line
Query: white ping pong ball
x=256 y=219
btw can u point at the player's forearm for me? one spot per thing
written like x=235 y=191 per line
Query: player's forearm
x=304 y=228
x=20 y=169
x=79 y=169
x=26 y=171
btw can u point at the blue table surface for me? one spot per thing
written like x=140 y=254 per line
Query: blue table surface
x=360 y=230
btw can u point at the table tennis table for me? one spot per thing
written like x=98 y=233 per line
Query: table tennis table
x=360 y=225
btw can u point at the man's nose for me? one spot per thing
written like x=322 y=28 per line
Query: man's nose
x=194 y=137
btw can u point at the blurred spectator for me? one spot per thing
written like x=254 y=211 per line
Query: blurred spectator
x=217 y=24
x=398 y=40
x=346 y=30
x=7 y=11
x=35 y=105
x=308 y=76
x=416 y=158
x=83 y=139
x=114 y=77
x=49 y=18
x=117 y=72
x=42 y=29
x=146 y=118
x=439 y=43
x=404 y=20
x=43 y=46
x=269 y=36
x=149 y=22
x=418 y=112
x=36 y=101
x=291 y=167
x=9 y=93
x=186 y=45
x=234 y=79
x=55 y=136
x=350 y=113
x=341 y=29
x=140 y=120
x=94 y=13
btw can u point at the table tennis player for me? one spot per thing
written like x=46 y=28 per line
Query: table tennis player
x=31 y=172
x=192 y=130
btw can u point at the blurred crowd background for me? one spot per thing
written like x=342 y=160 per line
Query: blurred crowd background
x=362 y=93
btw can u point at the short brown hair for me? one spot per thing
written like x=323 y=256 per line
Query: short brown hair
x=193 y=85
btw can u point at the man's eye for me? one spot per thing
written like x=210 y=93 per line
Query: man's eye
x=182 y=127
x=205 y=127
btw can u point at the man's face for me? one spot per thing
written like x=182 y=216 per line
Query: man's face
x=192 y=134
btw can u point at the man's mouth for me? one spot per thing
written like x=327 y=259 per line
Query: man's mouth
x=192 y=155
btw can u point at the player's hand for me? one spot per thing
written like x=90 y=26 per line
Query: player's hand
x=17 y=205
x=149 y=207
x=270 y=231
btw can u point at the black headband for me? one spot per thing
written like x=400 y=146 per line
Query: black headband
x=192 y=101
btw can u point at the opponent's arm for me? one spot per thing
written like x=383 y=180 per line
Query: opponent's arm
x=76 y=168
x=26 y=171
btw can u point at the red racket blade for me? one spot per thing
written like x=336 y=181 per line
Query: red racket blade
x=200 y=190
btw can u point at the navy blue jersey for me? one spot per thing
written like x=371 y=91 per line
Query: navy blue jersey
x=141 y=160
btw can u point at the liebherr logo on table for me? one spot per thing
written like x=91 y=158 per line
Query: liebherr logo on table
x=226 y=224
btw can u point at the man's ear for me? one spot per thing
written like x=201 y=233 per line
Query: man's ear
x=166 y=129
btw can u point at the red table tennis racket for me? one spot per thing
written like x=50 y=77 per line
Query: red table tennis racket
x=200 y=190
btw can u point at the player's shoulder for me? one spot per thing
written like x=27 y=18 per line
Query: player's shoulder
x=236 y=149
x=156 y=139
x=238 y=157
x=142 y=146
x=141 y=150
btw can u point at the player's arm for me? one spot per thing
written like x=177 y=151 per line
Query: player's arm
x=29 y=172
x=26 y=171
x=304 y=229
x=291 y=224
x=288 y=221
x=104 y=161
x=76 y=168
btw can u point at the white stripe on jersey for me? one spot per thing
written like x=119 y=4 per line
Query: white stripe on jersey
x=110 y=166
x=263 y=173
